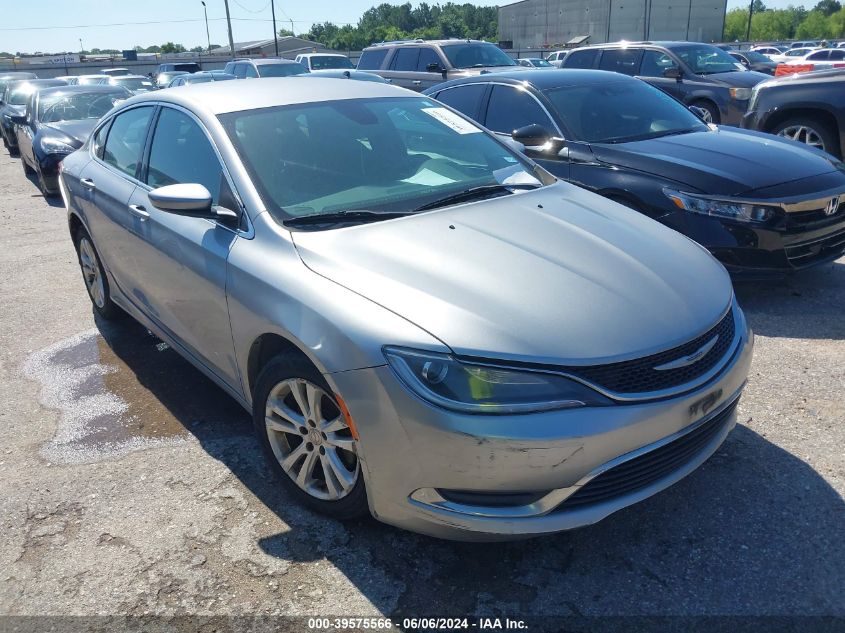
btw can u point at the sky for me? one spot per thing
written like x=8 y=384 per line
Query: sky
x=58 y=25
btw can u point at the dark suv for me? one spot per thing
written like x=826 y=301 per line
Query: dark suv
x=421 y=64
x=697 y=74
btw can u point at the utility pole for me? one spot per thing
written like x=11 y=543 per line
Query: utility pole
x=750 y=15
x=229 y=22
x=275 y=32
x=207 y=33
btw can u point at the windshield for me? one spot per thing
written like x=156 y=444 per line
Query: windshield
x=476 y=55
x=620 y=111
x=540 y=63
x=384 y=155
x=330 y=62
x=77 y=106
x=133 y=83
x=704 y=59
x=281 y=70
x=19 y=95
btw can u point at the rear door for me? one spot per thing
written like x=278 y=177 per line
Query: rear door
x=106 y=184
x=181 y=260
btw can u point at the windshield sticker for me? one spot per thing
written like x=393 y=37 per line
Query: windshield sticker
x=428 y=178
x=452 y=120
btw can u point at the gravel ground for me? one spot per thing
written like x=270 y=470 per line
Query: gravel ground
x=130 y=485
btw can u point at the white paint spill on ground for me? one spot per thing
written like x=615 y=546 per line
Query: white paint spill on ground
x=83 y=411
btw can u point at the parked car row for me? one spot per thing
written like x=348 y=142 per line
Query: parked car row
x=495 y=272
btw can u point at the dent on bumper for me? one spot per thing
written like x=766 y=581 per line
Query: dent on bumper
x=410 y=450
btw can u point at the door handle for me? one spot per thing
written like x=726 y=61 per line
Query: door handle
x=139 y=211
x=88 y=183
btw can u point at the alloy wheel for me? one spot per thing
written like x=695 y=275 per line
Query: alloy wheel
x=311 y=440
x=803 y=134
x=92 y=273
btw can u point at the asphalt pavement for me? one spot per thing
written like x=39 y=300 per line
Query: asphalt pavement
x=129 y=484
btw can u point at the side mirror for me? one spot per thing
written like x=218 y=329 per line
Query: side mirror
x=673 y=72
x=18 y=119
x=434 y=68
x=190 y=199
x=533 y=137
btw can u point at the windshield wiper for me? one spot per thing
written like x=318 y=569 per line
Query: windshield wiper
x=474 y=193
x=340 y=217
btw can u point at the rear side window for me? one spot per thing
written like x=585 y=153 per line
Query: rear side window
x=837 y=55
x=581 y=59
x=510 y=109
x=621 y=60
x=819 y=56
x=126 y=138
x=465 y=99
x=372 y=60
x=405 y=59
x=249 y=71
x=182 y=153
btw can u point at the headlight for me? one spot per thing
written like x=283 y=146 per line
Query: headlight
x=447 y=382
x=734 y=210
x=740 y=94
x=55 y=146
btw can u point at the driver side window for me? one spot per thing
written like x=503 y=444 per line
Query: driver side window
x=510 y=109
x=655 y=63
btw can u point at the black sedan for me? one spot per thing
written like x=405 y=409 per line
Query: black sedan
x=759 y=203
x=13 y=103
x=807 y=107
x=753 y=60
x=57 y=122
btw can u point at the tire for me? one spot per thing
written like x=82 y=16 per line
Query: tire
x=809 y=131
x=710 y=108
x=42 y=185
x=96 y=281
x=283 y=431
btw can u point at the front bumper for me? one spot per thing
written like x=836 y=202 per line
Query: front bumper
x=752 y=251
x=430 y=470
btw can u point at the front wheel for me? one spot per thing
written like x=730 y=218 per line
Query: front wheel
x=307 y=440
x=95 y=278
x=808 y=131
x=711 y=112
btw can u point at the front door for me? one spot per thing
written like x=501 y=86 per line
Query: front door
x=181 y=260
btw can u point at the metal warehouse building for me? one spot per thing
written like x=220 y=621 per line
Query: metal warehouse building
x=538 y=23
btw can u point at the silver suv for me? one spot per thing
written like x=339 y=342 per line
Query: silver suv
x=421 y=64
x=270 y=67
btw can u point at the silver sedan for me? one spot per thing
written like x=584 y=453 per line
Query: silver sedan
x=425 y=325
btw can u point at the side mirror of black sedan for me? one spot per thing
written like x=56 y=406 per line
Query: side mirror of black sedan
x=538 y=140
x=673 y=72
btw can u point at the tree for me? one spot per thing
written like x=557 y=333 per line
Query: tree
x=759 y=7
x=736 y=23
x=285 y=33
x=828 y=7
x=170 y=47
x=815 y=26
x=197 y=49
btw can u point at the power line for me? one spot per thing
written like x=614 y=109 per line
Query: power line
x=250 y=10
x=96 y=26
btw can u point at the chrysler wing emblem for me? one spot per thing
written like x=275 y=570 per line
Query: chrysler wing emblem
x=690 y=359
x=832 y=206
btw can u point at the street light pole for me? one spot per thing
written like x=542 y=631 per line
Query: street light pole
x=207 y=33
x=750 y=15
x=229 y=22
x=275 y=33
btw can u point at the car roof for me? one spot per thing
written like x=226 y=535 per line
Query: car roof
x=660 y=43
x=130 y=77
x=418 y=42
x=219 y=97
x=37 y=82
x=271 y=60
x=94 y=75
x=542 y=79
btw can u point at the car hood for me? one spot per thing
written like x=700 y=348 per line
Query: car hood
x=78 y=130
x=558 y=275
x=738 y=78
x=725 y=161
